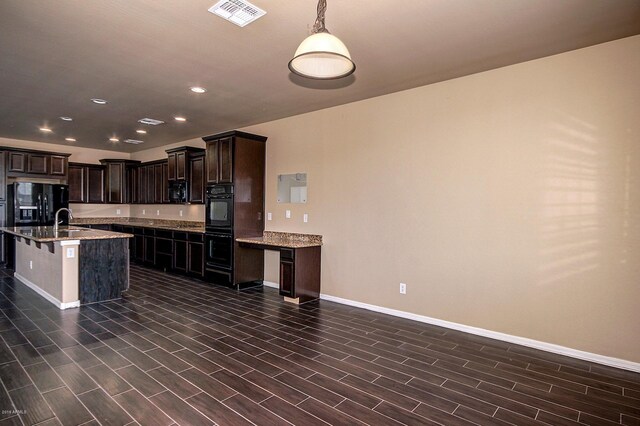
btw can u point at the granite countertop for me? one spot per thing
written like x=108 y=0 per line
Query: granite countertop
x=284 y=239
x=46 y=234
x=173 y=225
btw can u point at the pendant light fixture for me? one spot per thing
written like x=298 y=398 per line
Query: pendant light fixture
x=322 y=56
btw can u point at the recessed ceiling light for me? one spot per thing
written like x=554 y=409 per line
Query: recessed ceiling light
x=69 y=139
x=197 y=89
x=98 y=101
x=114 y=139
x=66 y=118
x=142 y=132
x=181 y=119
x=45 y=129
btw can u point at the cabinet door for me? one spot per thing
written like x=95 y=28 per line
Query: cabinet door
x=157 y=178
x=115 y=183
x=3 y=177
x=181 y=165
x=171 y=164
x=17 y=162
x=180 y=256
x=287 y=276
x=151 y=185
x=95 y=185
x=139 y=248
x=58 y=165
x=196 y=259
x=196 y=180
x=149 y=250
x=142 y=184
x=132 y=185
x=37 y=164
x=225 y=160
x=77 y=179
x=212 y=161
x=165 y=183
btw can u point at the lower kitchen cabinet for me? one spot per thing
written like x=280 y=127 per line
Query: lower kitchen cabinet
x=180 y=255
x=195 y=258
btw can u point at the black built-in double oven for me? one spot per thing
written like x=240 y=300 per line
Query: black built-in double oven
x=219 y=233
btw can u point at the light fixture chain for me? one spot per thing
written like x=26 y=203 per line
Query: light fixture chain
x=319 y=27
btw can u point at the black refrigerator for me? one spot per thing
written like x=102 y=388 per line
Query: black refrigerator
x=35 y=204
x=31 y=204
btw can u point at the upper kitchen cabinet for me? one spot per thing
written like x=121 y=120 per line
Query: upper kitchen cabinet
x=86 y=183
x=231 y=153
x=197 y=184
x=117 y=179
x=31 y=163
x=178 y=161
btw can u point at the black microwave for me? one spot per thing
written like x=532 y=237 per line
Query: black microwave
x=178 y=191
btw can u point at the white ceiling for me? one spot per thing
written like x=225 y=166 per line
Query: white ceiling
x=143 y=55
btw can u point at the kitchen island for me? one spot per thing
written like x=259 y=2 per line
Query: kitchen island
x=71 y=266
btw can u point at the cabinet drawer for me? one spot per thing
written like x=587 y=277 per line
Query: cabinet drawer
x=286 y=253
x=199 y=238
x=164 y=233
x=164 y=245
x=182 y=236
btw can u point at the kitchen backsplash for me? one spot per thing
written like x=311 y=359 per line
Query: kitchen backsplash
x=190 y=212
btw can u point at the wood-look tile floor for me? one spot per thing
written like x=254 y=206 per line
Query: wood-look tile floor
x=177 y=351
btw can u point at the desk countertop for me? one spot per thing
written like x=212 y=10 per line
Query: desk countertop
x=284 y=240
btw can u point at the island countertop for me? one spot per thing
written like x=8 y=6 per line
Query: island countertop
x=46 y=234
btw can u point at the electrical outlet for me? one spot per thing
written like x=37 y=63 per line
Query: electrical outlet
x=71 y=253
x=305 y=218
x=144 y=211
x=31 y=264
x=117 y=211
x=181 y=214
x=287 y=214
x=403 y=288
x=157 y=212
x=269 y=216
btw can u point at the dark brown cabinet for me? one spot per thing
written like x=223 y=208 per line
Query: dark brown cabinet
x=17 y=162
x=26 y=162
x=58 y=165
x=157 y=183
x=86 y=183
x=116 y=180
x=195 y=256
x=287 y=277
x=37 y=164
x=3 y=179
x=196 y=179
x=220 y=160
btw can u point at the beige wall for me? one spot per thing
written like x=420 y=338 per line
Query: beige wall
x=506 y=200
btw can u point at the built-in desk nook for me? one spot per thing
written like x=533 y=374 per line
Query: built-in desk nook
x=299 y=262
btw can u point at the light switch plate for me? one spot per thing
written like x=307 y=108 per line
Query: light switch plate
x=269 y=216
x=71 y=252
x=305 y=218
x=157 y=212
x=117 y=211
x=181 y=213
x=287 y=214
x=144 y=211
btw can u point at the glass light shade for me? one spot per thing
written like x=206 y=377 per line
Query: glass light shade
x=322 y=56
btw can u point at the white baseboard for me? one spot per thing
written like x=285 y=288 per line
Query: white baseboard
x=270 y=284
x=41 y=292
x=548 y=347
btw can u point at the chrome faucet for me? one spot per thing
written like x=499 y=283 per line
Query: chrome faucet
x=56 y=223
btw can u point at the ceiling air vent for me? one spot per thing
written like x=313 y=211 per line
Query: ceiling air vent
x=150 y=121
x=239 y=12
x=133 y=141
